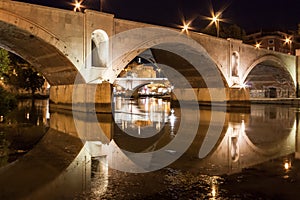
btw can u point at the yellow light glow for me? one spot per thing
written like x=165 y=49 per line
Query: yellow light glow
x=243 y=127
x=286 y=165
x=244 y=86
x=214 y=192
x=257 y=45
x=77 y=6
x=185 y=27
x=215 y=18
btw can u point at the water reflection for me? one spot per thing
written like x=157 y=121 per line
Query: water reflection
x=143 y=117
x=247 y=140
x=214 y=188
x=21 y=129
x=79 y=165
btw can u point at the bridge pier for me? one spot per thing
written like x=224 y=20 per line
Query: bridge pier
x=234 y=97
x=82 y=97
x=297 y=139
x=297 y=66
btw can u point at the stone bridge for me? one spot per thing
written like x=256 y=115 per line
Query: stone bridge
x=72 y=49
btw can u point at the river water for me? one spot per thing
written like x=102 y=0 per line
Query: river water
x=148 y=149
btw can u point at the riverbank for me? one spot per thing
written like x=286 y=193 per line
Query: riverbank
x=282 y=101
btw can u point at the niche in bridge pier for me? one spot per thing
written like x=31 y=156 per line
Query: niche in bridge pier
x=100 y=48
x=235 y=65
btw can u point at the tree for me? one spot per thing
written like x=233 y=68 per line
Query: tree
x=25 y=77
x=4 y=62
x=226 y=31
x=32 y=80
x=234 y=31
x=8 y=101
x=21 y=75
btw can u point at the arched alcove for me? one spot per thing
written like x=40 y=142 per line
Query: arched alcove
x=100 y=48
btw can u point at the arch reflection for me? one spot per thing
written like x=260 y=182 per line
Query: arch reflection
x=252 y=138
x=72 y=164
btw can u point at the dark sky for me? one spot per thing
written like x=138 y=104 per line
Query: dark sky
x=251 y=15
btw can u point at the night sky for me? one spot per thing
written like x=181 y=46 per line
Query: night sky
x=252 y=15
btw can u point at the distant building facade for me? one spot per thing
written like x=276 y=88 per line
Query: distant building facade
x=275 y=40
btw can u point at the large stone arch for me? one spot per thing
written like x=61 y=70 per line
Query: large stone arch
x=268 y=59
x=129 y=44
x=41 y=48
x=279 y=78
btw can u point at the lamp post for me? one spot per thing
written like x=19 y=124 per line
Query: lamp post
x=101 y=5
x=216 y=20
x=288 y=41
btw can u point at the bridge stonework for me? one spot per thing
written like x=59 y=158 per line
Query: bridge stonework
x=58 y=43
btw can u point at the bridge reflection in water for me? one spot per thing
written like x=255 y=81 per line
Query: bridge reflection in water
x=68 y=164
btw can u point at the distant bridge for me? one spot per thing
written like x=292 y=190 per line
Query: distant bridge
x=134 y=83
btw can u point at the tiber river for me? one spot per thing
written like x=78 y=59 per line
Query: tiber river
x=43 y=156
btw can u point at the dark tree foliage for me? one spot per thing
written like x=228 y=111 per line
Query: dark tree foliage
x=4 y=62
x=234 y=31
x=31 y=80
x=8 y=101
x=226 y=31
x=21 y=75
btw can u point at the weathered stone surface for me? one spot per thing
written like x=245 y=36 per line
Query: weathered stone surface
x=59 y=44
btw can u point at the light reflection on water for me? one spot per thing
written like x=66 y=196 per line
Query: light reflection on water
x=141 y=118
x=248 y=139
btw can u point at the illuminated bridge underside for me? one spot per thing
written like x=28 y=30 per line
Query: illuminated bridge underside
x=55 y=66
x=266 y=76
x=186 y=69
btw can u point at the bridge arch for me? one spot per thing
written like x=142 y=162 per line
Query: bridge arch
x=269 y=134
x=278 y=77
x=38 y=46
x=271 y=59
x=171 y=44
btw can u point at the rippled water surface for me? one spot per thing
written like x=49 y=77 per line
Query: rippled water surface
x=242 y=154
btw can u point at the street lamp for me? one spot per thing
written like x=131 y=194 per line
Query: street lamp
x=288 y=41
x=216 y=20
x=77 y=6
x=257 y=45
x=101 y=5
x=185 y=27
